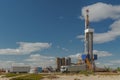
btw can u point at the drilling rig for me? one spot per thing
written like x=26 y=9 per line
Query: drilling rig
x=88 y=57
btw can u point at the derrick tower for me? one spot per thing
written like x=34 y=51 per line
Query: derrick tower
x=88 y=57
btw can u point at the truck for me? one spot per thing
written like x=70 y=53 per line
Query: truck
x=73 y=68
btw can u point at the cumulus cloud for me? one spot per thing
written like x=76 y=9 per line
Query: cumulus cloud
x=25 y=48
x=34 y=60
x=6 y=64
x=78 y=55
x=40 y=60
x=19 y=64
x=105 y=64
x=102 y=53
x=9 y=64
x=99 y=53
x=109 y=35
x=62 y=48
x=65 y=49
x=99 y=12
x=115 y=61
x=75 y=57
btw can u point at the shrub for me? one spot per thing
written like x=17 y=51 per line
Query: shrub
x=118 y=68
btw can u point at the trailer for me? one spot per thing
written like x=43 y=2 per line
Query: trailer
x=20 y=69
x=73 y=68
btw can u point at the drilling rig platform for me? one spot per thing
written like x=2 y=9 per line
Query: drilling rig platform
x=89 y=58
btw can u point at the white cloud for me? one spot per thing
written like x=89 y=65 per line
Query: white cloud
x=109 y=35
x=108 y=64
x=99 y=53
x=25 y=48
x=97 y=63
x=101 y=11
x=34 y=60
x=115 y=61
x=78 y=55
x=6 y=64
x=19 y=64
x=80 y=37
x=9 y=64
x=75 y=57
x=64 y=49
x=40 y=60
x=102 y=53
x=103 y=65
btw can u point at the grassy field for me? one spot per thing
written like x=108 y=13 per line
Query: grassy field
x=24 y=76
x=12 y=75
x=29 y=77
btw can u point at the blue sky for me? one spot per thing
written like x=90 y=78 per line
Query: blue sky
x=34 y=32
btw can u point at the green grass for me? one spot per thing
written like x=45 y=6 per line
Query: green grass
x=86 y=73
x=29 y=77
x=11 y=75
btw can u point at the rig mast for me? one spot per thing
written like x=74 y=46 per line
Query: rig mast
x=89 y=43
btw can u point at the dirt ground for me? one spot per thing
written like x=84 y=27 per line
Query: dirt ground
x=83 y=77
